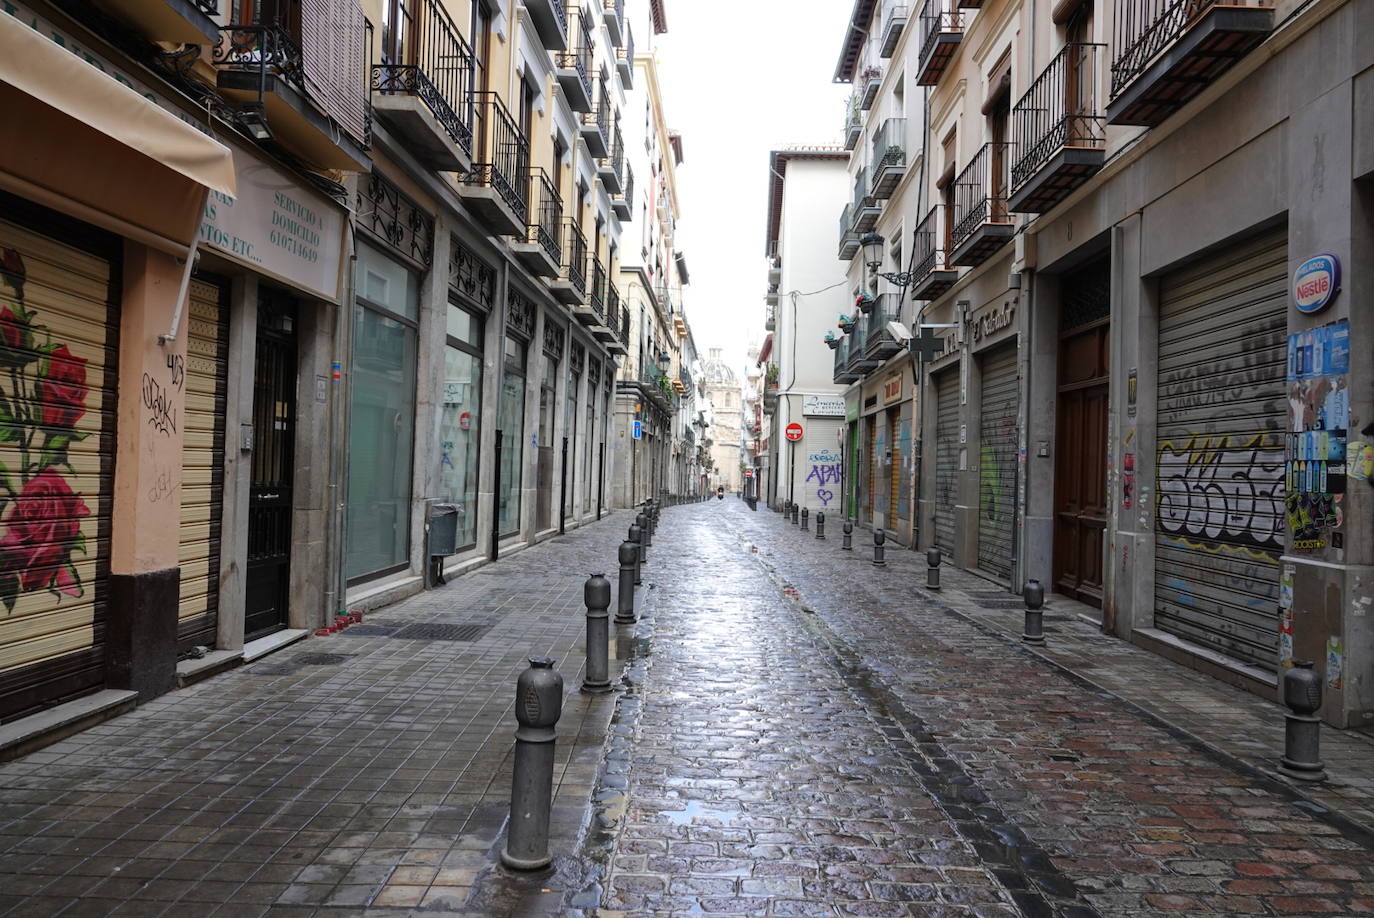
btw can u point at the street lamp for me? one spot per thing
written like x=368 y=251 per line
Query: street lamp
x=872 y=244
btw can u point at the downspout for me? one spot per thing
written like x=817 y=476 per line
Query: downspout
x=336 y=595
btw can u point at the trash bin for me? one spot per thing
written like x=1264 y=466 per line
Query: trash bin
x=443 y=529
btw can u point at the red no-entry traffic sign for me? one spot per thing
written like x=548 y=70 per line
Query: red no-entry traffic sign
x=793 y=432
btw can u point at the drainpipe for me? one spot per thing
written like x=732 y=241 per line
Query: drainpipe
x=335 y=597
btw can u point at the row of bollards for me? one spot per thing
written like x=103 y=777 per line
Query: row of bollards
x=539 y=698
x=1302 y=685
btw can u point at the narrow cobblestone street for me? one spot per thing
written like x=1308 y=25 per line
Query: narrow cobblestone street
x=795 y=732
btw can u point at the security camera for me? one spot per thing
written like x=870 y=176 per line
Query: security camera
x=898 y=331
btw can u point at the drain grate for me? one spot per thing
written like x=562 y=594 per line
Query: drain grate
x=322 y=659
x=369 y=631
x=432 y=631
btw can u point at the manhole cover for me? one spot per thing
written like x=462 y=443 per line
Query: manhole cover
x=430 y=631
x=322 y=659
x=369 y=631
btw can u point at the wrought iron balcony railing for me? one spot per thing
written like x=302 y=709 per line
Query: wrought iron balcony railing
x=853 y=122
x=600 y=115
x=930 y=276
x=849 y=239
x=501 y=160
x=267 y=49
x=980 y=192
x=612 y=304
x=1058 y=110
x=574 y=256
x=598 y=291
x=436 y=66
x=579 y=58
x=623 y=324
x=893 y=24
x=941 y=30
x=547 y=210
x=625 y=58
x=888 y=162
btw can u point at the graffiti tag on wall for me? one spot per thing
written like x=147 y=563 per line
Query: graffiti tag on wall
x=822 y=481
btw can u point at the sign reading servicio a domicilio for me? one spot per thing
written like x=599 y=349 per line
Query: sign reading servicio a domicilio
x=276 y=226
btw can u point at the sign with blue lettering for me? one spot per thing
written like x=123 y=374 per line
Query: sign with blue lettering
x=637 y=429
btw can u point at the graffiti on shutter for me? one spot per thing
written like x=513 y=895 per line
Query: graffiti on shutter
x=1220 y=522
x=57 y=410
x=997 y=462
x=946 y=457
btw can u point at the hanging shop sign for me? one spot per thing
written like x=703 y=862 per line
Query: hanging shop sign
x=1316 y=283
x=277 y=227
x=823 y=406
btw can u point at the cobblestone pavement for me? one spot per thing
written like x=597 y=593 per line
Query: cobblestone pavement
x=811 y=736
x=369 y=770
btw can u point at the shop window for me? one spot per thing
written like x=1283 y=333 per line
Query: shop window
x=460 y=420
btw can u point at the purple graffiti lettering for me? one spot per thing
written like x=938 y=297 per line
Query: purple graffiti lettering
x=825 y=473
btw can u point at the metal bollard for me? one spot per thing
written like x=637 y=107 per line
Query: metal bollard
x=879 y=537
x=933 y=571
x=820 y=524
x=786 y=509
x=796 y=514
x=635 y=538
x=596 y=595
x=848 y=543
x=642 y=521
x=625 y=602
x=1034 y=632
x=538 y=704
x=1302 y=692
x=805 y=520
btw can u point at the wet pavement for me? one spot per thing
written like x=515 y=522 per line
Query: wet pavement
x=794 y=732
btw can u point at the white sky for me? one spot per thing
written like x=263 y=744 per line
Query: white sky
x=740 y=79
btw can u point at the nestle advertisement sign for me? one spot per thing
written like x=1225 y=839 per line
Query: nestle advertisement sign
x=1316 y=283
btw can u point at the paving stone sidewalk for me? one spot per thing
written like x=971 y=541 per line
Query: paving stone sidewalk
x=1233 y=721
x=366 y=772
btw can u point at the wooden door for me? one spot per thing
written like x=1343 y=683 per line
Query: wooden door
x=1080 y=479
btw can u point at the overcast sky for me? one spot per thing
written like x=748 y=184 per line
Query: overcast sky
x=740 y=79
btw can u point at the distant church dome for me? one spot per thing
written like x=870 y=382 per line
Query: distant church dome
x=717 y=371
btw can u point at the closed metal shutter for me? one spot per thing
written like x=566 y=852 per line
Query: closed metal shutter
x=1220 y=488
x=894 y=469
x=58 y=345
x=202 y=464
x=997 y=462
x=946 y=457
x=871 y=504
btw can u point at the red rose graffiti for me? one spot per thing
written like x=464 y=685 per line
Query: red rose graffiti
x=42 y=397
x=62 y=389
x=40 y=530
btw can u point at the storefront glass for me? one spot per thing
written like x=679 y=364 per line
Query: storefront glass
x=382 y=416
x=511 y=422
x=460 y=421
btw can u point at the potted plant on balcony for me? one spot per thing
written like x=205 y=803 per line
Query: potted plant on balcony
x=846 y=324
x=831 y=341
x=770 y=376
x=869 y=74
x=864 y=303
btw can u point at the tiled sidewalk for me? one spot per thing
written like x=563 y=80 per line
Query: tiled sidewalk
x=1234 y=722
x=368 y=770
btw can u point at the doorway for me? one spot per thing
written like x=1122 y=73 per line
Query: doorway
x=269 y=496
x=1080 y=473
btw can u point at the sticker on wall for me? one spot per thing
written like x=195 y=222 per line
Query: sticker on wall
x=1286 y=641
x=1318 y=422
x=1359 y=461
x=1286 y=588
x=1334 y=660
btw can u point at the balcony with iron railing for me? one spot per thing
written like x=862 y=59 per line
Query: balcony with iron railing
x=941 y=32
x=596 y=124
x=1168 y=51
x=843 y=373
x=182 y=22
x=768 y=321
x=849 y=239
x=613 y=15
x=423 y=92
x=614 y=310
x=1059 y=131
x=929 y=276
x=655 y=383
x=863 y=209
x=570 y=286
x=869 y=81
x=574 y=68
x=853 y=122
x=623 y=203
x=550 y=21
x=605 y=329
x=596 y=294
x=305 y=81
x=625 y=59
x=888 y=163
x=664 y=298
x=894 y=21
x=610 y=167
x=982 y=222
x=859 y=360
x=497 y=187
x=541 y=251
x=881 y=343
